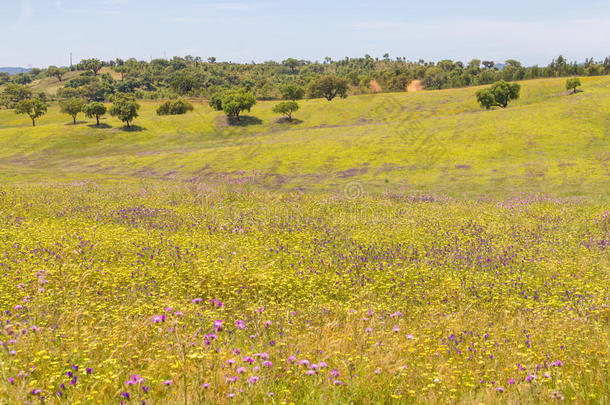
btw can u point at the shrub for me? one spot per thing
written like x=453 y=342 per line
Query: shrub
x=175 y=107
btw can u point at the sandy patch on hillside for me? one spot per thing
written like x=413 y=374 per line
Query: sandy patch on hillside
x=115 y=75
x=415 y=85
x=375 y=87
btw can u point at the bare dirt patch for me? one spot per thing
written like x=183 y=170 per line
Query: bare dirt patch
x=415 y=85
x=375 y=87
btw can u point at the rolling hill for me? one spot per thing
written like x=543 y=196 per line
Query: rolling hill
x=432 y=141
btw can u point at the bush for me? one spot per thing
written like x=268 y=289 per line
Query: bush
x=175 y=107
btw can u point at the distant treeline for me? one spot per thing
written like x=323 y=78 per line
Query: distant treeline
x=194 y=77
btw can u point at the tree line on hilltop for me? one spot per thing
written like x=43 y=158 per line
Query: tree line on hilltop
x=193 y=77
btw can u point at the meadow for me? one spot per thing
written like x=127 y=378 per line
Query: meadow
x=392 y=248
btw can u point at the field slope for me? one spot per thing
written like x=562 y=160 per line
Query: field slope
x=430 y=141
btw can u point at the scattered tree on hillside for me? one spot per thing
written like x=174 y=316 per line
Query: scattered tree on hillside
x=125 y=108
x=292 y=91
x=233 y=102
x=286 y=108
x=122 y=69
x=328 y=87
x=14 y=93
x=54 y=71
x=292 y=63
x=175 y=107
x=498 y=95
x=34 y=108
x=22 y=78
x=95 y=109
x=92 y=64
x=572 y=84
x=216 y=101
x=72 y=107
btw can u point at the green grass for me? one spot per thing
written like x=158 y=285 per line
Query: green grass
x=429 y=141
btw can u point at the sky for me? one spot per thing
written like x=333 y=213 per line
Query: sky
x=38 y=33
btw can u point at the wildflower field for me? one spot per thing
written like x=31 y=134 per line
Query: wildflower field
x=122 y=283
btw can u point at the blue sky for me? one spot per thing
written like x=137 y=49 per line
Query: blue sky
x=44 y=32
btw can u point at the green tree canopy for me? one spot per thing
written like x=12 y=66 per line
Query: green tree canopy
x=95 y=109
x=72 y=107
x=14 y=93
x=54 y=71
x=572 y=83
x=292 y=91
x=92 y=64
x=328 y=87
x=125 y=108
x=498 y=95
x=34 y=108
x=234 y=102
x=286 y=108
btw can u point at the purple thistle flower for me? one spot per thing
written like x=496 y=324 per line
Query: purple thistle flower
x=125 y=395
x=168 y=382
x=267 y=363
x=511 y=381
x=499 y=389
x=241 y=370
x=158 y=318
x=240 y=325
x=253 y=379
x=217 y=325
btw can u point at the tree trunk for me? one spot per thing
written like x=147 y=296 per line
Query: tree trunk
x=127 y=124
x=33 y=122
x=97 y=117
x=74 y=120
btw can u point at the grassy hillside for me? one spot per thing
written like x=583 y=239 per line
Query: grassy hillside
x=437 y=141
